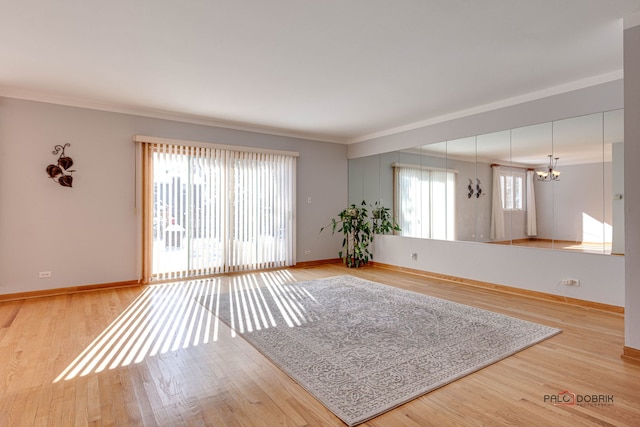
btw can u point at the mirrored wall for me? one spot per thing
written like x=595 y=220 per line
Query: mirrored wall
x=556 y=185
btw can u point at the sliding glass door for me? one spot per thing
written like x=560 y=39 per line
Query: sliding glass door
x=213 y=210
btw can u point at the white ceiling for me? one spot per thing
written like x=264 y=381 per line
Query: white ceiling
x=332 y=70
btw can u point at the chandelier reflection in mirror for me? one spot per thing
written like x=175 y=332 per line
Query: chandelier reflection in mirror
x=551 y=174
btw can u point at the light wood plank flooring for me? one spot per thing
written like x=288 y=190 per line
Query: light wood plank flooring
x=561 y=245
x=146 y=356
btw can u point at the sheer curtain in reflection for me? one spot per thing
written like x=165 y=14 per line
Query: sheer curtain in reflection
x=424 y=202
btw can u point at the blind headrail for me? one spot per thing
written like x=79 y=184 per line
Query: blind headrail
x=168 y=141
x=426 y=168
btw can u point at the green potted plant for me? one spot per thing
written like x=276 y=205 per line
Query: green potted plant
x=381 y=221
x=359 y=231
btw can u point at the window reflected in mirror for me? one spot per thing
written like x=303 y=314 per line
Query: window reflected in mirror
x=424 y=194
x=556 y=185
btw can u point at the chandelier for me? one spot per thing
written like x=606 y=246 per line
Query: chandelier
x=552 y=174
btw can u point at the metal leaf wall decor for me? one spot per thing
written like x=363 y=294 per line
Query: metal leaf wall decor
x=478 y=189
x=60 y=172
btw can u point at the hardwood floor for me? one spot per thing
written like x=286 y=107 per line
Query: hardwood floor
x=148 y=356
x=565 y=245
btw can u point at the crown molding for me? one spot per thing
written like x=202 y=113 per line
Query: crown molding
x=27 y=95
x=248 y=127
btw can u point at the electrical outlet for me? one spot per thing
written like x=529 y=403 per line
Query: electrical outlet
x=307 y=252
x=44 y=274
x=414 y=255
x=571 y=282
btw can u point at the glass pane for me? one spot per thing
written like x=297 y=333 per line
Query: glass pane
x=531 y=146
x=518 y=193
x=438 y=226
x=579 y=214
x=462 y=198
x=614 y=159
x=492 y=150
x=171 y=174
x=503 y=186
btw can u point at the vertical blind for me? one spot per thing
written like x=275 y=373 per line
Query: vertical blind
x=210 y=210
x=424 y=202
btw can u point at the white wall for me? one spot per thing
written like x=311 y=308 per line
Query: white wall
x=617 y=190
x=631 y=179
x=89 y=234
x=601 y=276
x=582 y=190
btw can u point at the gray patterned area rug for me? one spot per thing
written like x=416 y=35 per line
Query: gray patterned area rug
x=363 y=348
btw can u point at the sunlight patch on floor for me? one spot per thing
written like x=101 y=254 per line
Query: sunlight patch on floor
x=170 y=316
